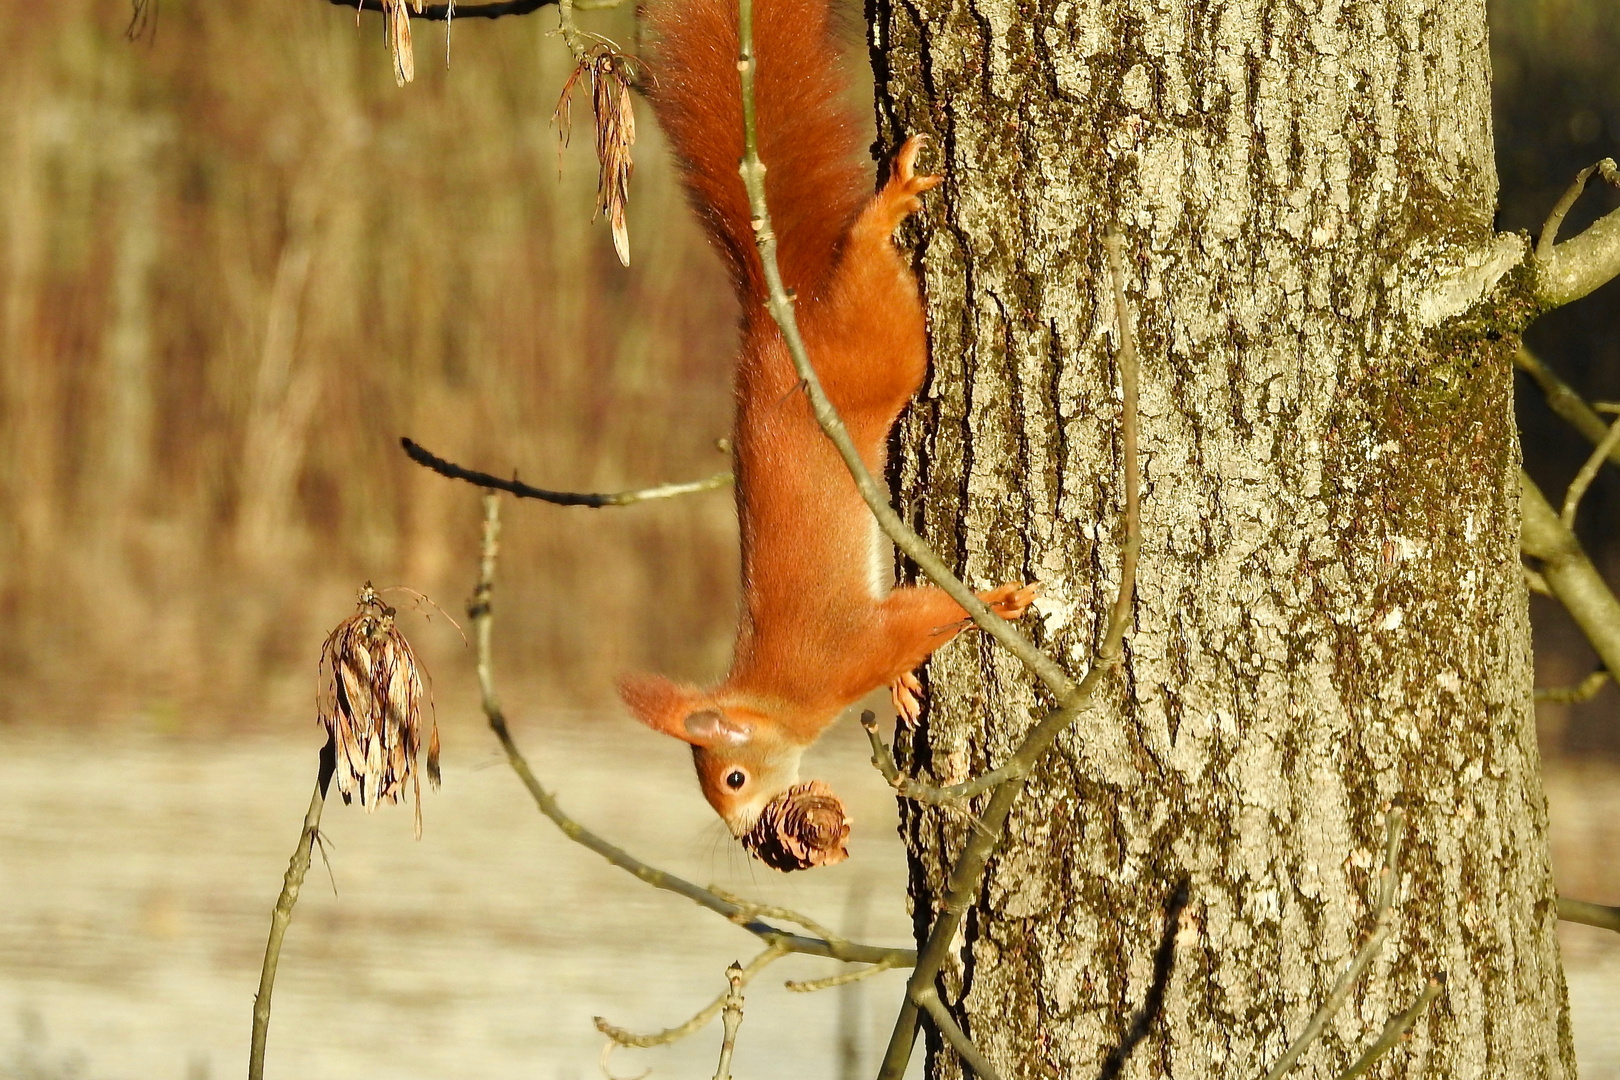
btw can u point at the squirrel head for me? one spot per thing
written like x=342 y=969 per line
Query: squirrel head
x=743 y=756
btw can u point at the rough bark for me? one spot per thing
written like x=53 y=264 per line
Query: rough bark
x=1330 y=614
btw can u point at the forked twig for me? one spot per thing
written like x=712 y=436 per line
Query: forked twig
x=1395 y=1029
x=701 y=1017
x=595 y=501
x=292 y=883
x=1549 y=230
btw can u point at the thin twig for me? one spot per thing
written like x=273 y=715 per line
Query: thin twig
x=1112 y=649
x=748 y=911
x=1589 y=914
x=291 y=884
x=595 y=501
x=948 y=1027
x=703 y=1015
x=1563 y=400
x=1589 y=471
x=480 y=611
x=1535 y=582
x=1395 y=1029
x=1585 y=690
x=1382 y=924
x=810 y=986
x=731 y=1016
x=1010 y=777
x=1549 y=230
x=1566 y=272
x=444 y=12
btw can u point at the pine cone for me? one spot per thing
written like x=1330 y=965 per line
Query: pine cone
x=804 y=826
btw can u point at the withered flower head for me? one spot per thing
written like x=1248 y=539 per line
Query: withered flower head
x=610 y=74
x=804 y=826
x=371 y=707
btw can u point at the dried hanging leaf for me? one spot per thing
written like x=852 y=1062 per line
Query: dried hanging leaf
x=804 y=826
x=398 y=19
x=370 y=702
x=610 y=74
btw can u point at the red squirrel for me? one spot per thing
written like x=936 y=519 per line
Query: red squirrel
x=820 y=626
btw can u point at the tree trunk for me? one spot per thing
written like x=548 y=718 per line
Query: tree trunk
x=1330 y=615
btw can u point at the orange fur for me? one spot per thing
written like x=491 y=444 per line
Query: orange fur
x=820 y=626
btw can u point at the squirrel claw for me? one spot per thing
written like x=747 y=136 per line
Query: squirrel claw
x=906 y=693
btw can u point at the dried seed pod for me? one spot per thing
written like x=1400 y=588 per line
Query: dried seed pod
x=610 y=74
x=804 y=826
x=371 y=706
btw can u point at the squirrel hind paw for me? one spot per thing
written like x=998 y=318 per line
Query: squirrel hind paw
x=905 y=186
x=906 y=693
x=1011 y=601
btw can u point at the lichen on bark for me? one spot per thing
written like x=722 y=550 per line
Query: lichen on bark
x=1330 y=615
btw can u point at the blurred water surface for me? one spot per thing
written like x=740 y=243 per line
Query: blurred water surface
x=138 y=872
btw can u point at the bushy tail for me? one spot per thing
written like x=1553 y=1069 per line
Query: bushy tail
x=808 y=140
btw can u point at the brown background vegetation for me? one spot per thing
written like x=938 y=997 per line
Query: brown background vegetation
x=237 y=263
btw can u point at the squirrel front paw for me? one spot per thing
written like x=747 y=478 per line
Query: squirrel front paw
x=906 y=693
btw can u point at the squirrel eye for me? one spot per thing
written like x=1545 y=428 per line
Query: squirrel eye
x=735 y=779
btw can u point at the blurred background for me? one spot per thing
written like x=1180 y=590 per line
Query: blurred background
x=237 y=263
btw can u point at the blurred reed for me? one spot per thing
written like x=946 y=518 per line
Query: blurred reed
x=237 y=263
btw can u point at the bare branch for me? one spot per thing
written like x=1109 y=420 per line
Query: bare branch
x=595 y=501
x=1569 y=573
x=1568 y=271
x=1585 y=690
x=480 y=611
x=732 y=1018
x=1382 y=924
x=1580 y=911
x=928 y=998
x=1395 y=1029
x=443 y=12
x=1589 y=469
x=292 y=883
x=703 y=1015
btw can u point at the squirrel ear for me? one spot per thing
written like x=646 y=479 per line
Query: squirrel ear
x=711 y=726
x=660 y=704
